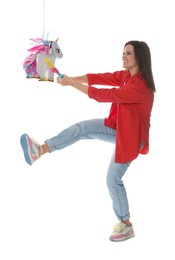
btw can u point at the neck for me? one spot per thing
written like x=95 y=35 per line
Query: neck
x=134 y=70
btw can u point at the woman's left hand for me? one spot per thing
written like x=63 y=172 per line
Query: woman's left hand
x=65 y=81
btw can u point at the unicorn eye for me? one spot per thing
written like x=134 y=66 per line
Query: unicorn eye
x=57 y=50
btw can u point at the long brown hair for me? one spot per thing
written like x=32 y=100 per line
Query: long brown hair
x=143 y=56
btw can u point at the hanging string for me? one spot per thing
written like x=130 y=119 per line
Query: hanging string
x=44 y=26
x=43 y=35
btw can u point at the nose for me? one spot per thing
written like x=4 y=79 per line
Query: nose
x=124 y=58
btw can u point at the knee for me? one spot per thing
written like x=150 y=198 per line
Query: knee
x=115 y=174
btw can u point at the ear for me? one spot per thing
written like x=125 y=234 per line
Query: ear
x=57 y=39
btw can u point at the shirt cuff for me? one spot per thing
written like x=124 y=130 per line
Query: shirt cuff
x=91 y=91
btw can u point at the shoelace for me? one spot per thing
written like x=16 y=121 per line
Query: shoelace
x=40 y=151
x=118 y=227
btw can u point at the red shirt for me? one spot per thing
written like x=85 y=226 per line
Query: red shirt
x=130 y=111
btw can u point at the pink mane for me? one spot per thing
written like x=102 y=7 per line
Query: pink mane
x=29 y=63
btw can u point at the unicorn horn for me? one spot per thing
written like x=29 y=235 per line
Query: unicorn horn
x=57 y=39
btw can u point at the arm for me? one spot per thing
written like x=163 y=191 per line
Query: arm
x=81 y=82
x=74 y=82
x=132 y=92
x=108 y=79
x=81 y=79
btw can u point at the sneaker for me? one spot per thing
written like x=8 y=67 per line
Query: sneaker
x=31 y=149
x=122 y=232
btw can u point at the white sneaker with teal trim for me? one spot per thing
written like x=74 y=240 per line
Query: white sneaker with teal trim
x=31 y=149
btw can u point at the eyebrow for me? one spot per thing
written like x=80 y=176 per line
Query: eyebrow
x=127 y=52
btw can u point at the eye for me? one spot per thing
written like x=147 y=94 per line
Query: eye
x=57 y=50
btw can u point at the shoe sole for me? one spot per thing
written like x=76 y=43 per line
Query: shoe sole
x=25 y=147
x=121 y=239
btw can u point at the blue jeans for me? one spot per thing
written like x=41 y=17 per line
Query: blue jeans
x=95 y=129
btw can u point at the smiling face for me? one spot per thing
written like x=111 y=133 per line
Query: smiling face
x=129 y=60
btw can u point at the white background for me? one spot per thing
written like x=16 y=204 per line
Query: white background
x=60 y=208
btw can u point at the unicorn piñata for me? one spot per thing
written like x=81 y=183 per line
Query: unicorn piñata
x=35 y=65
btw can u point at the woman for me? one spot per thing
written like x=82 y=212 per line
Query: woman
x=131 y=93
